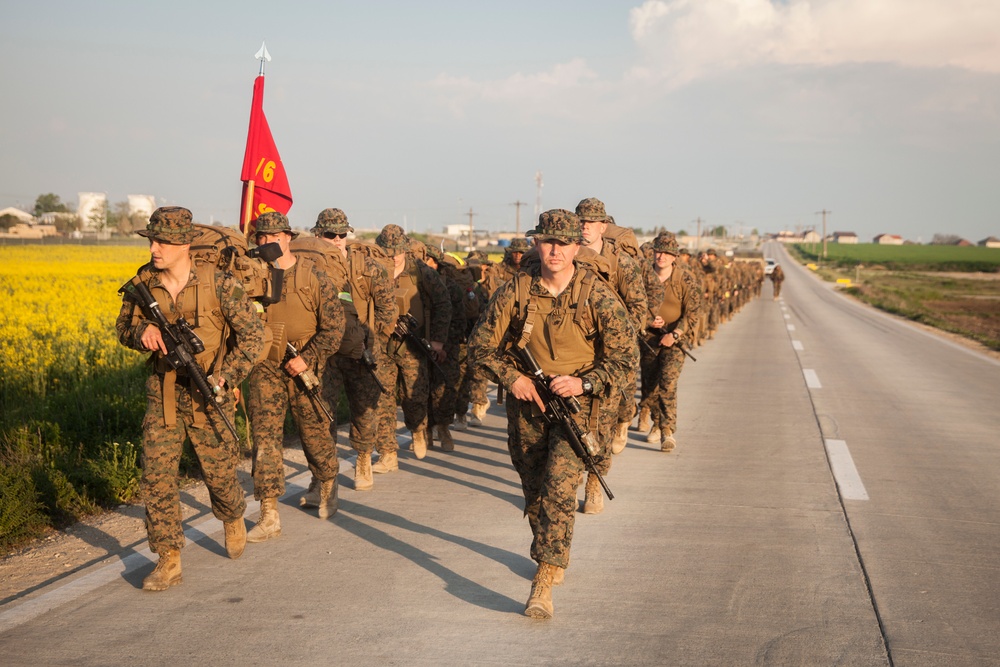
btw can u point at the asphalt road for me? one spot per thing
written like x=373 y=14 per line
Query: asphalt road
x=833 y=500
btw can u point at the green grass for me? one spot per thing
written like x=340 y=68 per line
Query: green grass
x=904 y=257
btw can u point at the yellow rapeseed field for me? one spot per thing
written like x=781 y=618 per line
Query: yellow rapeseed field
x=58 y=314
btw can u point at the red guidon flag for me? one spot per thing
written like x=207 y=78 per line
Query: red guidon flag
x=265 y=185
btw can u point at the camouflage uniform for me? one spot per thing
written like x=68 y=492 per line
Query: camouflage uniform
x=549 y=470
x=408 y=367
x=472 y=382
x=168 y=422
x=309 y=303
x=777 y=276
x=661 y=365
x=444 y=389
x=629 y=281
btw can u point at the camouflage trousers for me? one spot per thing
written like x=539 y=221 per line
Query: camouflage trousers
x=409 y=378
x=161 y=455
x=465 y=372
x=271 y=393
x=479 y=385
x=660 y=373
x=550 y=476
x=444 y=388
x=364 y=398
x=626 y=404
x=777 y=288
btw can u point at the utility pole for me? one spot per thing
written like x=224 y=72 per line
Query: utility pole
x=824 y=212
x=699 y=233
x=471 y=238
x=517 y=219
x=538 y=194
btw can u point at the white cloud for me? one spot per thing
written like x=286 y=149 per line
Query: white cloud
x=682 y=40
x=553 y=88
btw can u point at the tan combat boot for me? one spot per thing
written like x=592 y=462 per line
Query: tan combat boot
x=311 y=497
x=667 y=441
x=387 y=462
x=167 y=572
x=460 y=423
x=444 y=435
x=363 y=472
x=621 y=438
x=328 y=498
x=654 y=435
x=559 y=576
x=593 y=500
x=236 y=537
x=269 y=523
x=540 y=601
x=644 y=422
x=419 y=442
x=478 y=413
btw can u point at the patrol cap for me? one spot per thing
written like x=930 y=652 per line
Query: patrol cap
x=685 y=251
x=434 y=253
x=519 y=244
x=273 y=222
x=478 y=255
x=591 y=210
x=393 y=240
x=170 y=224
x=666 y=242
x=331 y=220
x=558 y=224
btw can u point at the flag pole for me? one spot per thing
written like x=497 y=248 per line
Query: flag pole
x=264 y=57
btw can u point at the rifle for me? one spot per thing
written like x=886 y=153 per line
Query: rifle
x=182 y=345
x=406 y=327
x=663 y=332
x=309 y=383
x=500 y=393
x=369 y=361
x=559 y=410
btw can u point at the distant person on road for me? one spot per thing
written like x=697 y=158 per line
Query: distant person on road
x=226 y=323
x=777 y=276
x=579 y=335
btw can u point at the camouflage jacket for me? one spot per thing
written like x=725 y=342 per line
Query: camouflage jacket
x=630 y=283
x=237 y=311
x=617 y=351
x=433 y=289
x=685 y=287
x=326 y=309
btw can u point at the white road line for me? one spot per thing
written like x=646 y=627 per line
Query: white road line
x=812 y=380
x=787 y=316
x=797 y=345
x=848 y=480
x=15 y=614
x=791 y=327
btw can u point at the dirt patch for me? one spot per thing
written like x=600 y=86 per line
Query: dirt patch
x=98 y=539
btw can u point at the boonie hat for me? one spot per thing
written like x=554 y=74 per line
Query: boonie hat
x=393 y=240
x=558 y=225
x=519 y=244
x=331 y=220
x=666 y=242
x=591 y=210
x=273 y=222
x=170 y=224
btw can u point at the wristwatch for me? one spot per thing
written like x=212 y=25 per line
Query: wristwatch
x=588 y=387
x=675 y=335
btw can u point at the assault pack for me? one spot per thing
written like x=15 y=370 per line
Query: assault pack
x=227 y=249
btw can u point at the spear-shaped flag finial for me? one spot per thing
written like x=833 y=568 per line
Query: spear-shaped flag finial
x=263 y=56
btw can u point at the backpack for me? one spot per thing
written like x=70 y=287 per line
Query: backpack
x=227 y=249
x=623 y=238
x=329 y=260
x=463 y=276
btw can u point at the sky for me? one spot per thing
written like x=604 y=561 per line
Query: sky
x=748 y=114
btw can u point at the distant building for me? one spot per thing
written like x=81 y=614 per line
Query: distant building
x=845 y=237
x=812 y=236
x=888 y=239
x=23 y=216
x=23 y=230
x=89 y=204
x=988 y=242
x=143 y=205
x=964 y=243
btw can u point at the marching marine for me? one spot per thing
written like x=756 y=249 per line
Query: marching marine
x=232 y=335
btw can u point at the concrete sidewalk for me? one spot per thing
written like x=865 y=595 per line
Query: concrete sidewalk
x=732 y=550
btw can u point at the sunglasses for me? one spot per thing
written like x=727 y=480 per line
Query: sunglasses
x=334 y=235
